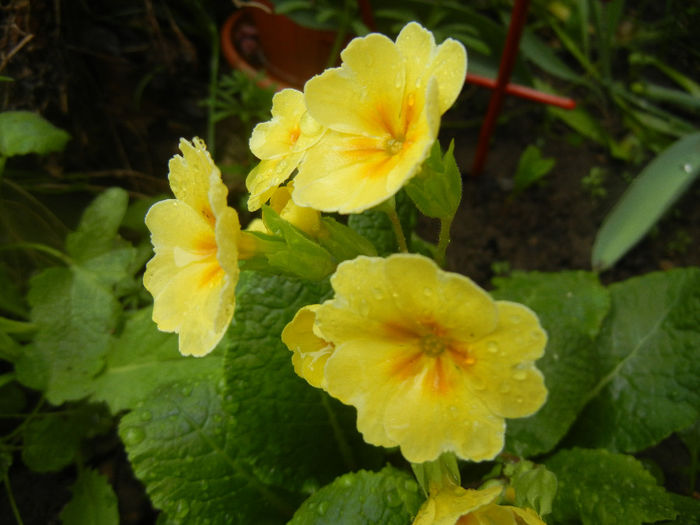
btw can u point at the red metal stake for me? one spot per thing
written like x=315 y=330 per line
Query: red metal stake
x=515 y=29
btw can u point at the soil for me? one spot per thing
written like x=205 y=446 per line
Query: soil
x=128 y=84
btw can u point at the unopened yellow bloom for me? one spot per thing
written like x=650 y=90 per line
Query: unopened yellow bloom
x=383 y=108
x=280 y=143
x=194 y=272
x=458 y=506
x=431 y=362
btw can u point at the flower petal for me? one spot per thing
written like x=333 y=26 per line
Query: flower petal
x=189 y=176
x=447 y=63
x=446 y=507
x=266 y=177
x=310 y=352
x=278 y=136
x=364 y=95
x=435 y=413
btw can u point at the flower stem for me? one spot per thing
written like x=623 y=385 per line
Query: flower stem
x=11 y=499
x=389 y=207
x=40 y=248
x=444 y=240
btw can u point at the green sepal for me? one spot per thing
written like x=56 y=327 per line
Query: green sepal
x=535 y=486
x=299 y=256
x=437 y=189
x=342 y=241
x=435 y=475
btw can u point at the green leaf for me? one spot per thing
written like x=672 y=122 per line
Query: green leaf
x=598 y=487
x=376 y=227
x=52 y=440
x=184 y=447
x=571 y=307
x=283 y=421
x=145 y=358
x=389 y=497
x=75 y=315
x=654 y=190
x=95 y=244
x=5 y=461
x=23 y=132
x=688 y=510
x=532 y=166
x=299 y=256
x=649 y=367
x=543 y=57
x=93 y=502
x=343 y=242
x=437 y=189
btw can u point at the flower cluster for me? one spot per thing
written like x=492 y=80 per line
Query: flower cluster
x=432 y=363
x=359 y=132
x=429 y=360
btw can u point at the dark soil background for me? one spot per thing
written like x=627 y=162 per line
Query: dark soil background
x=126 y=79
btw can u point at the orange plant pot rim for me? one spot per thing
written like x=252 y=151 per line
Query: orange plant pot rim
x=236 y=60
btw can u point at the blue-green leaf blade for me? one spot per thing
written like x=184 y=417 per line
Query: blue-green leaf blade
x=654 y=190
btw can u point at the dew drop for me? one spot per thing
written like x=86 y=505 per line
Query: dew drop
x=504 y=388
x=182 y=509
x=492 y=347
x=515 y=319
x=146 y=415
x=410 y=485
x=322 y=508
x=687 y=168
x=427 y=292
x=186 y=390
x=133 y=436
x=393 y=499
x=364 y=307
x=377 y=293
x=520 y=375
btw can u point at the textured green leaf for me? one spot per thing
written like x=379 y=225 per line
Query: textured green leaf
x=291 y=433
x=142 y=359
x=648 y=384
x=376 y=227
x=437 y=189
x=599 y=487
x=75 y=315
x=23 y=132
x=688 y=510
x=93 y=502
x=571 y=307
x=52 y=440
x=95 y=244
x=654 y=190
x=184 y=447
x=388 y=497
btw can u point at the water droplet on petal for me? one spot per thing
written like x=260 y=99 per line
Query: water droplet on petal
x=492 y=347
x=504 y=388
x=520 y=375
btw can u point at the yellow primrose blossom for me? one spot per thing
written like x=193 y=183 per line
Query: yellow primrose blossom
x=431 y=362
x=382 y=107
x=458 y=506
x=194 y=272
x=280 y=143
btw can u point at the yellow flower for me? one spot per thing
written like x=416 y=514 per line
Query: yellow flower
x=310 y=350
x=307 y=220
x=280 y=143
x=431 y=362
x=458 y=506
x=194 y=272
x=383 y=108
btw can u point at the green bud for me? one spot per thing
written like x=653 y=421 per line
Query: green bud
x=535 y=487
